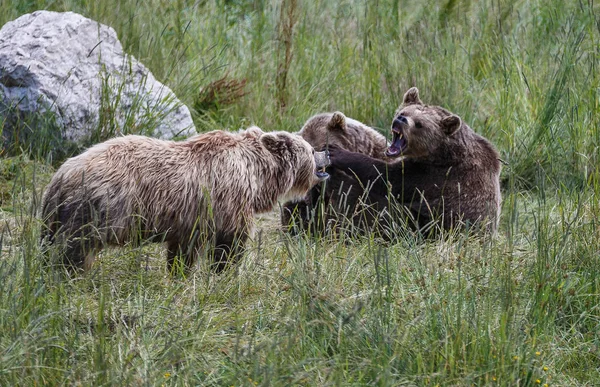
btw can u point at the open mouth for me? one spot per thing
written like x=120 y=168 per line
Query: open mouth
x=398 y=144
x=321 y=174
x=322 y=161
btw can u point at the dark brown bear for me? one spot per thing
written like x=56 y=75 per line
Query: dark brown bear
x=447 y=175
x=198 y=195
x=321 y=131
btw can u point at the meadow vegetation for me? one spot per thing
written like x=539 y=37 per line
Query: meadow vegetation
x=519 y=309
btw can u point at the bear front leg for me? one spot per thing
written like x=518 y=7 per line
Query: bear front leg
x=79 y=254
x=187 y=252
x=229 y=248
x=372 y=173
x=172 y=253
x=296 y=216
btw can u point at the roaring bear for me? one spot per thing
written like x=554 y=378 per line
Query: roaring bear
x=445 y=176
x=196 y=195
x=321 y=131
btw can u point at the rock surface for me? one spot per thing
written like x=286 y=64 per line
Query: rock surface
x=75 y=68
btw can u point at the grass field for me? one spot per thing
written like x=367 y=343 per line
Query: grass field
x=521 y=309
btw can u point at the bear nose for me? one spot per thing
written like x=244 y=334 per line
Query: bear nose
x=399 y=122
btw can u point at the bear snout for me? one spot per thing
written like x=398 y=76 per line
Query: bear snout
x=322 y=161
x=399 y=122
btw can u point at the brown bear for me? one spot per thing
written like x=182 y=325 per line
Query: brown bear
x=335 y=128
x=321 y=131
x=192 y=194
x=447 y=175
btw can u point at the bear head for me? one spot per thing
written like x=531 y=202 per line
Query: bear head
x=420 y=131
x=326 y=129
x=303 y=167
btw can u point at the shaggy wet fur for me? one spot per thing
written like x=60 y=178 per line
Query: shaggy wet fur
x=193 y=194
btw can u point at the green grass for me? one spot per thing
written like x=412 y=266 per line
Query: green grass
x=514 y=310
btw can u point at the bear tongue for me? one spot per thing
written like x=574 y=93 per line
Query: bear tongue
x=392 y=151
x=397 y=146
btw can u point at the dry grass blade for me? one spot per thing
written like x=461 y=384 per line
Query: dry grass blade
x=222 y=92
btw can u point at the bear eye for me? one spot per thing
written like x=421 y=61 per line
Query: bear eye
x=418 y=124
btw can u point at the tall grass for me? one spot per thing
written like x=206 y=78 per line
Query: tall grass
x=520 y=309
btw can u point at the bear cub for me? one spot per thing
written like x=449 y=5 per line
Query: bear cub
x=322 y=130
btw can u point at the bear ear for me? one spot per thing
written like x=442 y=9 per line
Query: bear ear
x=269 y=141
x=254 y=131
x=274 y=142
x=411 y=97
x=337 y=122
x=451 y=124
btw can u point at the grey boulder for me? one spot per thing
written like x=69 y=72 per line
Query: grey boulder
x=75 y=68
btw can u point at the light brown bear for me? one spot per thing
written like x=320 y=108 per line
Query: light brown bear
x=321 y=131
x=448 y=175
x=193 y=195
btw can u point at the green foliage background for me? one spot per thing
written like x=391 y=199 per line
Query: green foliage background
x=521 y=309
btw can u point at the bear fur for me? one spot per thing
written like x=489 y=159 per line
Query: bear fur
x=446 y=175
x=320 y=131
x=335 y=128
x=195 y=194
